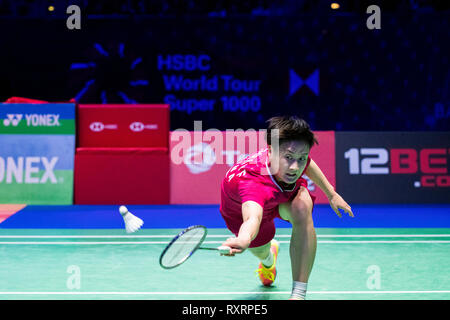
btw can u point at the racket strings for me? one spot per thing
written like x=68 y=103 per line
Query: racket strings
x=182 y=244
x=183 y=247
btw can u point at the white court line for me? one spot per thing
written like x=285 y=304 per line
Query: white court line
x=224 y=236
x=205 y=242
x=213 y=293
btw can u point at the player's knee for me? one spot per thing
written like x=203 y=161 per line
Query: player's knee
x=301 y=212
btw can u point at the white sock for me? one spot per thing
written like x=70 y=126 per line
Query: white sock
x=268 y=262
x=298 y=290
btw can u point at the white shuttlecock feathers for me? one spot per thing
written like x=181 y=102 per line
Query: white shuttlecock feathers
x=132 y=223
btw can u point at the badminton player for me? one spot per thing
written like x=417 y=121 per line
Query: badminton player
x=269 y=185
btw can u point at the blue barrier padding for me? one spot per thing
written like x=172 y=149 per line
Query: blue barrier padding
x=181 y=216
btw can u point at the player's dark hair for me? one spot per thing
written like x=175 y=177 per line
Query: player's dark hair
x=289 y=128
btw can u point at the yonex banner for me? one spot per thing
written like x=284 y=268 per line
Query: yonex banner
x=393 y=167
x=200 y=160
x=37 y=146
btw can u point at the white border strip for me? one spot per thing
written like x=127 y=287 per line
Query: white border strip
x=214 y=293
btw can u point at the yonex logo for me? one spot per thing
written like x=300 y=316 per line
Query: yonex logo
x=139 y=126
x=28 y=170
x=99 y=126
x=46 y=120
x=12 y=119
x=33 y=120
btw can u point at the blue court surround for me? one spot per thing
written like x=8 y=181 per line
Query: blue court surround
x=181 y=216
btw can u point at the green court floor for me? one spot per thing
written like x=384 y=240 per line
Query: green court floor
x=92 y=264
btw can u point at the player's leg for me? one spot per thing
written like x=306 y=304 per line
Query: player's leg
x=303 y=243
x=261 y=252
x=260 y=246
x=266 y=250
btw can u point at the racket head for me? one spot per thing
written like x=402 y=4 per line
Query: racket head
x=182 y=246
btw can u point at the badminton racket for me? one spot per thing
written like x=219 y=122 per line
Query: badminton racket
x=183 y=246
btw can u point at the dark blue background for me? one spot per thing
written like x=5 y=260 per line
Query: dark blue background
x=396 y=78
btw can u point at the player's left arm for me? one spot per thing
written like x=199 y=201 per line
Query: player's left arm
x=336 y=201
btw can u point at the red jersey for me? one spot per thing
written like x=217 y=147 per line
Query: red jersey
x=250 y=179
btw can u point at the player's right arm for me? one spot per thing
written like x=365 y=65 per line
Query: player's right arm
x=252 y=213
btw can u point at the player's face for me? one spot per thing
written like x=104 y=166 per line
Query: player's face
x=290 y=160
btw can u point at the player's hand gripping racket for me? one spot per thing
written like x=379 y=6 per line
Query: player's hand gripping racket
x=184 y=244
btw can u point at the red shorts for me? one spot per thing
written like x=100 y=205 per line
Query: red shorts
x=266 y=229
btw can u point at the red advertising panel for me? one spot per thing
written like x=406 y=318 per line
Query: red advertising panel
x=121 y=176
x=200 y=159
x=126 y=126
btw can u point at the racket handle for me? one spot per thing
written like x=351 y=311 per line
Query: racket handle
x=224 y=250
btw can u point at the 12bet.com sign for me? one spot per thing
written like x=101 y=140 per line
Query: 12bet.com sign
x=393 y=167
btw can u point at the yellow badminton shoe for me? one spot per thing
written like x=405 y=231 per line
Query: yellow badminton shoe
x=268 y=275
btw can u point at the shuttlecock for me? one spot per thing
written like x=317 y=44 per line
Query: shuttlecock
x=132 y=223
